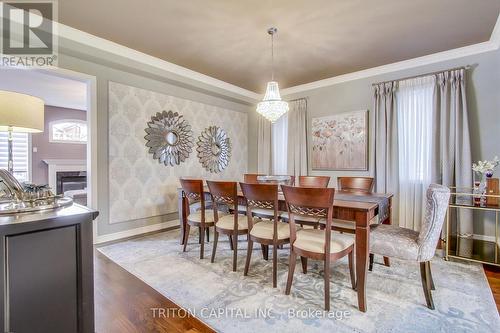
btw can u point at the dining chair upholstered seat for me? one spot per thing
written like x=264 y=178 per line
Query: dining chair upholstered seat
x=227 y=222
x=411 y=245
x=394 y=241
x=314 y=240
x=264 y=229
x=196 y=216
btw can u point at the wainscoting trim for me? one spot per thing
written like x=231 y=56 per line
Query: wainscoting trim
x=135 y=231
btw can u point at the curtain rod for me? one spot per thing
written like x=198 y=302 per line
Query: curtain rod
x=422 y=75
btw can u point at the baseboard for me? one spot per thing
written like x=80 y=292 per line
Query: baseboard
x=135 y=231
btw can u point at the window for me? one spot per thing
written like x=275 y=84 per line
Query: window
x=22 y=156
x=68 y=131
x=279 y=145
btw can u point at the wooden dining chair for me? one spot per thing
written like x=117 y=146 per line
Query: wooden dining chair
x=266 y=232
x=355 y=184
x=407 y=244
x=314 y=181
x=225 y=196
x=269 y=213
x=309 y=181
x=251 y=178
x=203 y=218
x=313 y=243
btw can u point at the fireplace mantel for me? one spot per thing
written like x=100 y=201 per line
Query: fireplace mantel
x=58 y=165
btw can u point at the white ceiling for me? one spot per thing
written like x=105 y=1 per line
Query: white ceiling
x=54 y=90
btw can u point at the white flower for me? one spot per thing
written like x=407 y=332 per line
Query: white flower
x=483 y=166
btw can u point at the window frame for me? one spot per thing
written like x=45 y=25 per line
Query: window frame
x=59 y=121
x=29 y=157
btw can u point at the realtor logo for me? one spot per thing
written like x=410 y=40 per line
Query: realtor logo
x=28 y=37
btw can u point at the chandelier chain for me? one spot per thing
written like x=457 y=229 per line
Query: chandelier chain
x=272 y=57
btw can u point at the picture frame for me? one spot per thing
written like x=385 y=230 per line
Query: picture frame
x=340 y=142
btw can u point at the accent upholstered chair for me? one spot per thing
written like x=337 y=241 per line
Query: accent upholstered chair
x=202 y=218
x=314 y=243
x=225 y=197
x=266 y=232
x=407 y=244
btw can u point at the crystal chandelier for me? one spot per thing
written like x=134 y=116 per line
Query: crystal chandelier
x=272 y=107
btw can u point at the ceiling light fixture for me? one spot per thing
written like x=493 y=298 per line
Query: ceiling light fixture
x=272 y=107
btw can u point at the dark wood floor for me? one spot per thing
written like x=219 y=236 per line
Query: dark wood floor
x=123 y=303
x=493 y=275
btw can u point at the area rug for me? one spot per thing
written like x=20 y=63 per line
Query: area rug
x=229 y=302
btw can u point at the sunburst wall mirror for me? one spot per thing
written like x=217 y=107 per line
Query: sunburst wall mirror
x=214 y=149
x=169 y=138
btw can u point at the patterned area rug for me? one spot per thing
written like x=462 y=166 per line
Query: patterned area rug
x=229 y=302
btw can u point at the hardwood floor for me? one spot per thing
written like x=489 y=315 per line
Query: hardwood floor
x=493 y=275
x=123 y=303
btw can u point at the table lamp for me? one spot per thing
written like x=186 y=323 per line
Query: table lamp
x=19 y=113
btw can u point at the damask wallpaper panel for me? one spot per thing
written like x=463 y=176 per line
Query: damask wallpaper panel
x=141 y=187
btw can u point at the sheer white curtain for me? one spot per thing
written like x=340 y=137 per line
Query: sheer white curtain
x=414 y=101
x=279 y=145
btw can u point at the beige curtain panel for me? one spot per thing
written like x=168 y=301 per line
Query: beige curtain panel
x=297 y=138
x=450 y=148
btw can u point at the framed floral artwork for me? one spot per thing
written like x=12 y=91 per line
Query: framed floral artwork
x=340 y=142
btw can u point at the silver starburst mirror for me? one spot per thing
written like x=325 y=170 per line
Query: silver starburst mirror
x=169 y=138
x=214 y=149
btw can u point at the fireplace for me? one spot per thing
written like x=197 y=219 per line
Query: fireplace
x=70 y=181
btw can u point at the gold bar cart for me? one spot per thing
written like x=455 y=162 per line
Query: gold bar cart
x=470 y=248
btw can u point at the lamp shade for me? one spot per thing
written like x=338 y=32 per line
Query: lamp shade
x=21 y=112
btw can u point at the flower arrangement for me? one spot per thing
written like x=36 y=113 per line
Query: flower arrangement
x=486 y=167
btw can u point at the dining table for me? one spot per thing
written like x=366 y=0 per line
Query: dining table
x=356 y=207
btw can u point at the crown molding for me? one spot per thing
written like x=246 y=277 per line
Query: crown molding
x=491 y=45
x=495 y=34
x=90 y=40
